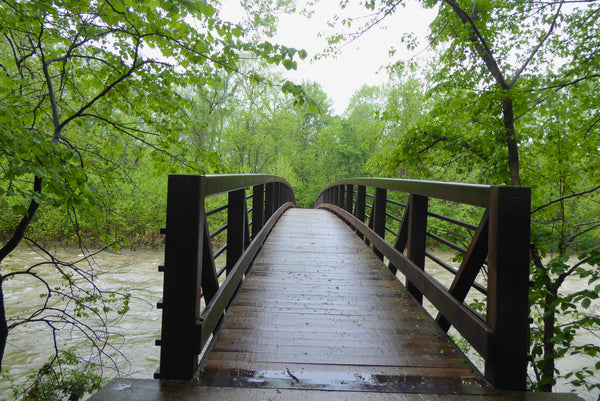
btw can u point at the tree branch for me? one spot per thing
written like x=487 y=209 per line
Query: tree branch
x=538 y=46
x=24 y=223
x=374 y=23
x=563 y=198
x=480 y=44
x=134 y=66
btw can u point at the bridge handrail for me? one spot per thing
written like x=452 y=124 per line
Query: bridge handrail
x=472 y=194
x=215 y=184
x=502 y=236
x=195 y=294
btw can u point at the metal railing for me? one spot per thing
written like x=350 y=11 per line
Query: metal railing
x=495 y=245
x=196 y=294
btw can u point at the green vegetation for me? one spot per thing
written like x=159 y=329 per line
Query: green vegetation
x=100 y=103
x=64 y=376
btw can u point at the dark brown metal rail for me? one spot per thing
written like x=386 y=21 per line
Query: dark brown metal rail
x=499 y=246
x=194 y=296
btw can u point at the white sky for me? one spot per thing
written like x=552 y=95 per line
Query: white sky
x=360 y=62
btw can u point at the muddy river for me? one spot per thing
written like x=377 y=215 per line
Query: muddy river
x=29 y=346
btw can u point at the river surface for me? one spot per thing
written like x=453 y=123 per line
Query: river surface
x=30 y=346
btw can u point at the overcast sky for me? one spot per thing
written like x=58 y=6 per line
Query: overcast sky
x=360 y=62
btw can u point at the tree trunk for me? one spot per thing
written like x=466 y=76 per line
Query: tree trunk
x=549 y=325
x=5 y=251
x=511 y=141
x=3 y=324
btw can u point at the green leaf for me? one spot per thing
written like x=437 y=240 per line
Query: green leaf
x=290 y=64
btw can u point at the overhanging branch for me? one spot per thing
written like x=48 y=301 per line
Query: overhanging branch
x=564 y=198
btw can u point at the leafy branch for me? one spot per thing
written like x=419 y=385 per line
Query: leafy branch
x=562 y=198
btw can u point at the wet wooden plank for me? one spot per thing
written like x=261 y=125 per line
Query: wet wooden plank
x=319 y=310
x=164 y=390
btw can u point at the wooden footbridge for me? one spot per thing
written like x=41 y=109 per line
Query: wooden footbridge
x=310 y=304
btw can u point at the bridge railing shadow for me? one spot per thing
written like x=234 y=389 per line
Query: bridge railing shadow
x=196 y=291
x=399 y=218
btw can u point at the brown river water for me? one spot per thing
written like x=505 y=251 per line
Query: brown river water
x=30 y=346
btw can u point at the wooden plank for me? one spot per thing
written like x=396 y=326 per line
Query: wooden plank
x=325 y=356
x=160 y=390
x=323 y=305
x=340 y=370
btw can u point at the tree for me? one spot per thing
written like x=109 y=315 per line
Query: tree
x=76 y=74
x=563 y=169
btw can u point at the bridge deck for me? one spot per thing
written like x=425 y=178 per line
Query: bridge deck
x=319 y=311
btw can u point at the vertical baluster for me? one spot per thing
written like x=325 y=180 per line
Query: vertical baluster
x=361 y=200
x=277 y=195
x=246 y=222
x=349 y=197
x=417 y=238
x=401 y=239
x=258 y=208
x=235 y=226
x=269 y=200
x=379 y=215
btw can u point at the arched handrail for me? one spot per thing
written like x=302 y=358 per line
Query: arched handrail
x=196 y=294
x=498 y=244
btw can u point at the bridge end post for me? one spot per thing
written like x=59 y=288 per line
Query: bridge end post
x=182 y=276
x=508 y=286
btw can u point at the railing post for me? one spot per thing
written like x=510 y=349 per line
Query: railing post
x=269 y=200
x=508 y=286
x=279 y=195
x=184 y=242
x=417 y=236
x=276 y=196
x=258 y=212
x=349 y=197
x=379 y=215
x=235 y=226
x=401 y=239
x=361 y=200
